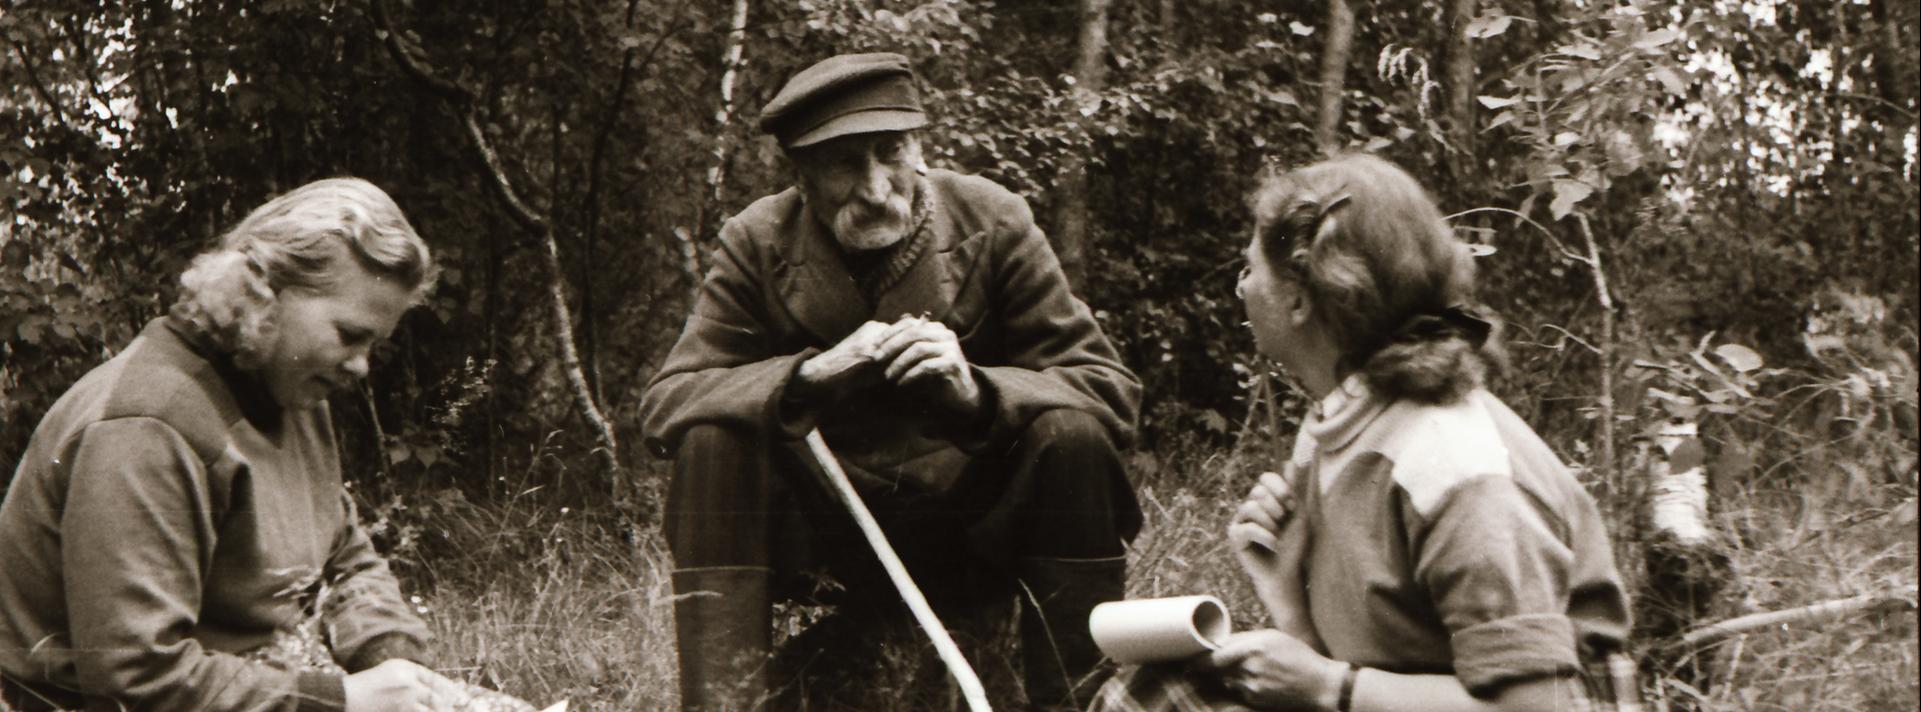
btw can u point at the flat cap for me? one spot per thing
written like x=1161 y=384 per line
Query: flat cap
x=844 y=94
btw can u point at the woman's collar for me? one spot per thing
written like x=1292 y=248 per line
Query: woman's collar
x=1343 y=414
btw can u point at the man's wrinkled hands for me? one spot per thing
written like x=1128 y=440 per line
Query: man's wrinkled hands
x=911 y=352
x=926 y=354
x=851 y=364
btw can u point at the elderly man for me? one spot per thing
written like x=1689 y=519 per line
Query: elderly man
x=918 y=318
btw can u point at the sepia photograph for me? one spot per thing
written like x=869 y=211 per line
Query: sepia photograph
x=959 y=355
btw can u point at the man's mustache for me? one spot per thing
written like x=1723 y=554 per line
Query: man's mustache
x=895 y=209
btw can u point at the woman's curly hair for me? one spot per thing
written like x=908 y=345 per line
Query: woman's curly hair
x=1384 y=272
x=296 y=241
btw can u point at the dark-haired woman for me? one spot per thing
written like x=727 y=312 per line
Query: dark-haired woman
x=178 y=513
x=1424 y=549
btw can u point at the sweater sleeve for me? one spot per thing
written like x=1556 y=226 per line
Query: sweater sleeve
x=137 y=532
x=368 y=620
x=1498 y=575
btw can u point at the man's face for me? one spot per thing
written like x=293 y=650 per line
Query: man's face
x=861 y=186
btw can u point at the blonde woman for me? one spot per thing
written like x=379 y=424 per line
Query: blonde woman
x=179 y=510
x=1424 y=549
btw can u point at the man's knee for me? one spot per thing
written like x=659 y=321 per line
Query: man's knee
x=1068 y=431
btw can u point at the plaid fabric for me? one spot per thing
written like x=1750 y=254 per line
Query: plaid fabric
x=1161 y=688
x=1608 y=684
x=1612 y=684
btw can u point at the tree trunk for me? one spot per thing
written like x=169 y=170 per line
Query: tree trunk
x=1334 y=55
x=1687 y=565
x=1457 y=71
x=462 y=101
x=1170 y=23
x=723 y=120
x=590 y=230
x=1090 y=76
x=1604 y=399
x=1547 y=22
x=1894 y=68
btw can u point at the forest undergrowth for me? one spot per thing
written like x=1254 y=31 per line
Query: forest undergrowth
x=554 y=602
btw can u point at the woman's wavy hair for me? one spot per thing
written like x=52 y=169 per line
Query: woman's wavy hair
x=296 y=241
x=1384 y=273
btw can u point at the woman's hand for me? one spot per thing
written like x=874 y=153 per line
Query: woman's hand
x=1270 y=544
x=401 y=686
x=1257 y=524
x=1269 y=669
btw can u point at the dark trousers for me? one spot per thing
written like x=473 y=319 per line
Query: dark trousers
x=1058 y=490
x=20 y=698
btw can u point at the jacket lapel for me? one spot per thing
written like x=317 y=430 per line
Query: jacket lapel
x=934 y=283
x=821 y=294
x=815 y=284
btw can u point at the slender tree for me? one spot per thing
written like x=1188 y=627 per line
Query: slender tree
x=1090 y=76
x=1457 y=72
x=731 y=62
x=1334 y=56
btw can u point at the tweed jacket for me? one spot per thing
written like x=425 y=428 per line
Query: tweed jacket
x=779 y=292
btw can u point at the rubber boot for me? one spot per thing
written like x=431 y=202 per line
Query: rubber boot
x=723 y=625
x=1061 y=665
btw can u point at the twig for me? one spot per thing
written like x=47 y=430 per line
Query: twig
x=1902 y=110
x=1566 y=337
x=950 y=654
x=1551 y=237
x=33 y=78
x=1826 y=610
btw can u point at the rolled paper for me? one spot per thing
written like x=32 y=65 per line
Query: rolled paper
x=1153 y=630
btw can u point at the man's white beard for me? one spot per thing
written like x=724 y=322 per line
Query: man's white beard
x=875 y=232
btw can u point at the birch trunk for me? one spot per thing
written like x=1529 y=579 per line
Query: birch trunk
x=731 y=56
x=1090 y=76
x=1334 y=56
x=1457 y=71
x=462 y=101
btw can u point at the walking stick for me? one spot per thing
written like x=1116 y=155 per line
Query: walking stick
x=950 y=654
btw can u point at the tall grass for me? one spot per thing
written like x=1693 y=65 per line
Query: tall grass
x=549 y=604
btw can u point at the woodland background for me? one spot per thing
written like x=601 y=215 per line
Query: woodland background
x=1700 y=222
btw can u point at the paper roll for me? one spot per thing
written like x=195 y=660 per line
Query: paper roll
x=1152 y=630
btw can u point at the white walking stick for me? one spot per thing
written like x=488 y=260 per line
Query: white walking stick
x=950 y=654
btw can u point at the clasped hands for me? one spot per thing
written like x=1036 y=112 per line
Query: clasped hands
x=911 y=352
x=1275 y=668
